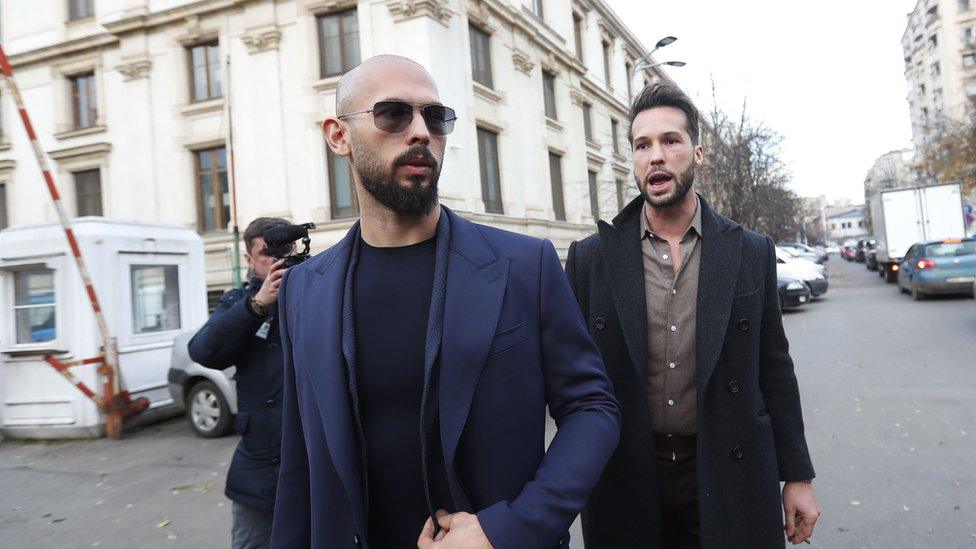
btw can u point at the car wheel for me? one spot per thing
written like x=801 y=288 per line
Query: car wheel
x=207 y=410
x=917 y=295
x=889 y=276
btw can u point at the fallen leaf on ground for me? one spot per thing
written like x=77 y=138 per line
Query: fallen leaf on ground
x=163 y=523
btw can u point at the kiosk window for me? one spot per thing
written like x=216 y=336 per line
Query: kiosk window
x=155 y=298
x=34 y=305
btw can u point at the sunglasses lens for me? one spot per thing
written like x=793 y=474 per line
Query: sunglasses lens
x=439 y=119
x=392 y=116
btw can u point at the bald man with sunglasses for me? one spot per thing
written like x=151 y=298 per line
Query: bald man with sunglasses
x=422 y=352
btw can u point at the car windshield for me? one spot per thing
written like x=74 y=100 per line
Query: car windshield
x=948 y=249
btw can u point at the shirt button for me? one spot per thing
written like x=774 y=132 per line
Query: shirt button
x=673 y=291
x=672 y=365
x=665 y=256
x=674 y=328
x=600 y=323
x=670 y=403
x=743 y=325
x=269 y=403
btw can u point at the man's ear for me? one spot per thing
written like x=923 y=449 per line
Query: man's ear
x=336 y=135
x=699 y=155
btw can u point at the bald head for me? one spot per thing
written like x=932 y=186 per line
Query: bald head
x=365 y=80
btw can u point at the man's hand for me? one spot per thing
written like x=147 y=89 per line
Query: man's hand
x=801 y=509
x=458 y=531
x=268 y=294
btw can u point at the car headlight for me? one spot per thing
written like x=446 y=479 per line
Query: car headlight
x=796 y=285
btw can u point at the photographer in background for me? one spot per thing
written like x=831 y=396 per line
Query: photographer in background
x=243 y=332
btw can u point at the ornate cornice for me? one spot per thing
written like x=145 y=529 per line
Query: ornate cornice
x=522 y=61
x=135 y=70
x=403 y=10
x=259 y=40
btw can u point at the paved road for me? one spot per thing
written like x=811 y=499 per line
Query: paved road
x=889 y=393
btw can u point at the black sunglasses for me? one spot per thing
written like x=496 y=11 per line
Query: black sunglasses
x=396 y=116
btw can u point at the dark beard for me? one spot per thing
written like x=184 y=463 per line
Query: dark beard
x=414 y=200
x=682 y=184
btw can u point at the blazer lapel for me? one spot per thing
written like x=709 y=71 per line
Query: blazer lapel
x=721 y=251
x=326 y=367
x=621 y=249
x=476 y=282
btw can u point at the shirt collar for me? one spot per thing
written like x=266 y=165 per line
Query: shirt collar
x=696 y=222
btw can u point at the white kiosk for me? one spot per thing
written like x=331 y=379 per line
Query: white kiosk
x=150 y=282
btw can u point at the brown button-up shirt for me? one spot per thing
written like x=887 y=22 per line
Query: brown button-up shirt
x=671 y=301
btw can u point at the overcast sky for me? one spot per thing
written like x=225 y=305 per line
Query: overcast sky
x=828 y=75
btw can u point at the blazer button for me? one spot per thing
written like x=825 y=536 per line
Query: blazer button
x=737 y=452
x=600 y=323
x=356 y=540
x=734 y=387
x=744 y=325
x=276 y=460
x=269 y=403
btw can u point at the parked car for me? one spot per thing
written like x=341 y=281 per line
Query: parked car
x=793 y=292
x=939 y=267
x=847 y=249
x=820 y=253
x=871 y=259
x=802 y=254
x=815 y=276
x=209 y=396
x=868 y=242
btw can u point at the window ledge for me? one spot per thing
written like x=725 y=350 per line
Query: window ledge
x=327 y=84
x=487 y=93
x=554 y=124
x=80 y=132
x=24 y=349
x=619 y=157
x=4 y=145
x=203 y=107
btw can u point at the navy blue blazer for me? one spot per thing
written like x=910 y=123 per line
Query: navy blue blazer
x=513 y=342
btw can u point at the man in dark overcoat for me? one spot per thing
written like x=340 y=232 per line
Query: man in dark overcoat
x=683 y=304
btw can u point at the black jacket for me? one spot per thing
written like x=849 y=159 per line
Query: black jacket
x=750 y=427
x=228 y=339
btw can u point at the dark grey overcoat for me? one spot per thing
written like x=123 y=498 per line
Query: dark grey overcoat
x=750 y=427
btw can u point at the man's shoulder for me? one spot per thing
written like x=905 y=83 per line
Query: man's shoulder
x=233 y=295
x=508 y=241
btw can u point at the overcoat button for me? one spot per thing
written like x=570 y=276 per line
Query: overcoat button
x=600 y=323
x=269 y=403
x=733 y=386
x=357 y=540
x=737 y=452
x=744 y=325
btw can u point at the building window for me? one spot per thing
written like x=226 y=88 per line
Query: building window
x=607 y=63
x=936 y=70
x=34 y=305
x=4 y=222
x=155 y=298
x=83 y=100
x=578 y=35
x=214 y=194
x=213 y=299
x=587 y=123
x=80 y=9
x=628 y=67
x=338 y=42
x=614 y=132
x=963 y=5
x=549 y=93
x=556 y=182
x=594 y=195
x=342 y=187
x=88 y=192
x=480 y=56
x=969 y=59
x=620 y=194
x=205 y=80
x=491 y=190
x=967 y=36
x=537 y=8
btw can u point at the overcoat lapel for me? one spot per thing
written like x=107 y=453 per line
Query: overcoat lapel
x=622 y=255
x=720 y=254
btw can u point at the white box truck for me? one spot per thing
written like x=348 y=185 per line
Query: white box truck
x=903 y=217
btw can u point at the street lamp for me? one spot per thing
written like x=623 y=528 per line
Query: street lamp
x=660 y=44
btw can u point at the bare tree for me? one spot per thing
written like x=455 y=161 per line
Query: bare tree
x=949 y=153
